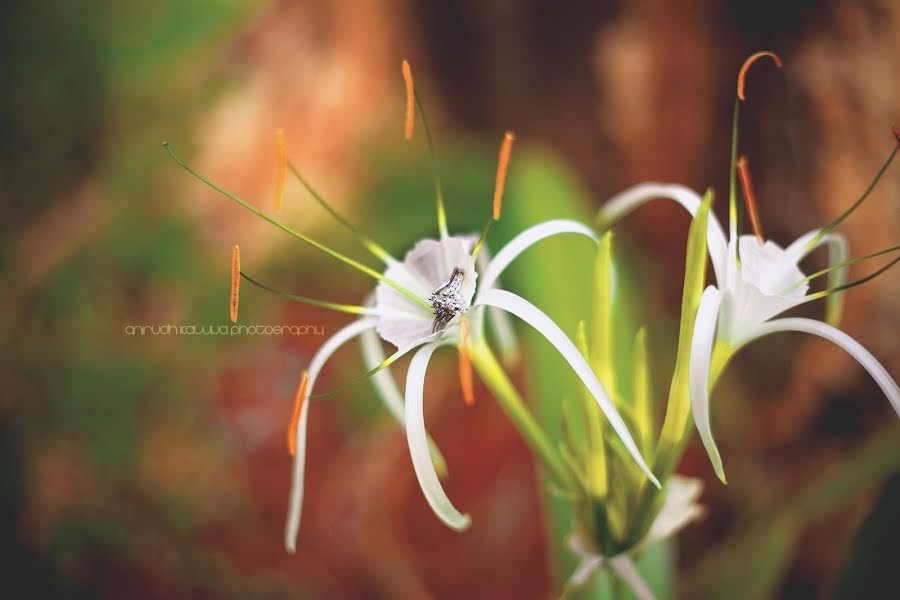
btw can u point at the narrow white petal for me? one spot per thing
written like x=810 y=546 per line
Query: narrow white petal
x=627 y=200
x=679 y=509
x=624 y=567
x=854 y=348
x=698 y=371
x=383 y=380
x=529 y=313
x=499 y=321
x=525 y=240
x=418 y=442
x=295 y=504
x=838 y=252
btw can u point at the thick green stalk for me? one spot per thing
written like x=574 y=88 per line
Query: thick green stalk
x=491 y=372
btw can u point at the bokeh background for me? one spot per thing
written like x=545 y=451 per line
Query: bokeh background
x=155 y=466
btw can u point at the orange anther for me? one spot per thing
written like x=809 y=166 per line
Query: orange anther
x=295 y=417
x=410 y=101
x=465 y=363
x=235 y=281
x=752 y=59
x=743 y=167
x=502 y=166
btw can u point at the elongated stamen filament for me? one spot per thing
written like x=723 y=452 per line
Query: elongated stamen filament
x=435 y=178
x=368 y=243
x=853 y=284
x=279 y=176
x=465 y=362
x=300 y=236
x=828 y=228
x=410 y=101
x=499 y=185
x=743 y=168
x=838 y=266
x=345 y=308
x=742 y=75
x=235 y=282
x=295 y=416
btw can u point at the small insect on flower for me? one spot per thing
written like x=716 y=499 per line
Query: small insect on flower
x=757 y=279
x=424 y=302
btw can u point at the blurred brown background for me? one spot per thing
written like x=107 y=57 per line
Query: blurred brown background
x=155 y=467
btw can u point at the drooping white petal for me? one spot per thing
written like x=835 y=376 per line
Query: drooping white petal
x=698 y=371
x=529 y=313
x=627 y=200
x=385 y=385
x=418 y=442
x=523 y=241
x=423 y=270
x=500 y=321
x=838 y=252
x=295 y=504
x=624 y=567
x=854 y=348
x=679 y=509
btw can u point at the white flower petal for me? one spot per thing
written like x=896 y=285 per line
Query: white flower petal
x=626 y=201
x=295 y=504
x=698 y=370
x=838 y=252
x=522 y=242
x=854 y=348
x=418 y=442
x=529 y=313
x=423 y=270
x=679 y=509
x=499 y=321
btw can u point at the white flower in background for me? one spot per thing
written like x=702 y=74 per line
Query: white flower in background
x=756 y=280
x=679 y=509
x=436 y=296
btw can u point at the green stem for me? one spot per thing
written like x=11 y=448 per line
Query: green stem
x=664 y=465
x=491 y=372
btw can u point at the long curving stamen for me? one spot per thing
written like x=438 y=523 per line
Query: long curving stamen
x=302 y=237
x=295 y=416
x=368 y=243
x=279 y=176
x=436 y=180
x=346 y=308
x=852 y=284
x=465 y=362
x=410 y=101
x=235 y=282
x=828 y=228
x=742 y=75
x=743 y=168
x=499 y=185
x=838 y=266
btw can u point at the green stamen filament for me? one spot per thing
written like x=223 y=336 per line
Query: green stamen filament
x=346 y=308
x=302 y=237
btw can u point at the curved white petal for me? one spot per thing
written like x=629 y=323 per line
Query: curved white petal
x=679 y=509
x=631 y=198
x=522 y=242
x=499 y=321
x=529 y=313
x=418 y=442
x=854 y=348
x=295 y=504
x=698 y=371
x=838 y=252
x=386 y=387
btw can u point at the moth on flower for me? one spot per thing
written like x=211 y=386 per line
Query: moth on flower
x=757 y=280
x=437 y=295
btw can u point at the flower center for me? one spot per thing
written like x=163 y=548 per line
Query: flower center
x=447 y=302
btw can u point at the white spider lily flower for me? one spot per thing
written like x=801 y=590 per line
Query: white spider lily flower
x=423 y=302
x=757 y=280
x=679 y=509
